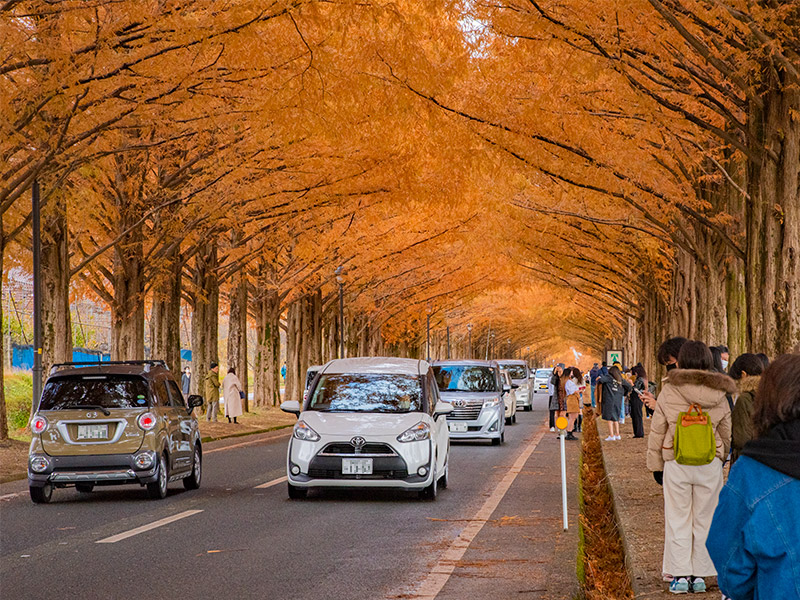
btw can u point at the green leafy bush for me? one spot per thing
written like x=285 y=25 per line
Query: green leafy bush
x=18 y=387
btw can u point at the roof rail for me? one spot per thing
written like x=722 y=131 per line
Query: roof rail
x=102 y=363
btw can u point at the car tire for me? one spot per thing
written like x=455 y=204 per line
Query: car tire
x=528 y=408
x=430 y=492
x=495 y=441
x=41 y=495
x=297 y=493
x=444 y=480
x=84 y=488
x=192 y=482
x=158 y=489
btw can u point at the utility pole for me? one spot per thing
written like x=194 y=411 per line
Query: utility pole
x=37 y=299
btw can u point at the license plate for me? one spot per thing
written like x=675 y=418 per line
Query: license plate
x=356 y=466
x=542 y=386
x=93 y=432
x=458 y=427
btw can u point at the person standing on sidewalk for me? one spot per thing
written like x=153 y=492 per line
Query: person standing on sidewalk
x=233 y=395
x=746 y=371
x=639 y=385
x=573 y=402
x=552 y=388
x=612 y=395
x=211 y=392
x=690 y=491
x=754 y=536
x=593 y=375
x=186 y=381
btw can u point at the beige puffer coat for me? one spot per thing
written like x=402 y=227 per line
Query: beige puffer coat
x=682 y=388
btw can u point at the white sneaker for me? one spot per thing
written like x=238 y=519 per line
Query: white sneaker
x=617 y=438
x=610 y=438
x=552 y=429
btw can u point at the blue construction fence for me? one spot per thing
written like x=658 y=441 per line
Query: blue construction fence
x=22 y=356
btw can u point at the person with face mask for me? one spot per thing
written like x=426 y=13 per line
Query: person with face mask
x=668 y=356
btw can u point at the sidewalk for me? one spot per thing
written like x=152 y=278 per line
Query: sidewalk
x=640 y=508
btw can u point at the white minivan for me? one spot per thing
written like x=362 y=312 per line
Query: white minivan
x=521 y=377
x=369 y=423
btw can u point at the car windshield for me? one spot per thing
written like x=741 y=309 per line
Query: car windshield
x=465 y=378
x=516 y=371
x=108 y=391
x=367 y=392
x=543 y=373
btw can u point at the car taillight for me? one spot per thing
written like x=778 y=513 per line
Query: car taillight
x=147 y=421
x=38 y=424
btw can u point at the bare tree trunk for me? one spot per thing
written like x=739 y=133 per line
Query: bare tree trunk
x=266 y=375
x=3 y=415
x=55 y=272
x=127 y=309
x=205 y=315
x=237 y=333
x=294 y=350
x=165 y=316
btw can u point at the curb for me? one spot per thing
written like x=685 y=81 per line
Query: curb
x=24 y=474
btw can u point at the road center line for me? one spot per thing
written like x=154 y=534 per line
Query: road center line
x=126 y=534
x=441 y=572
x=271 y=483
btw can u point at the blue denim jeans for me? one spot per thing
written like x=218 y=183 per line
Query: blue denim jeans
x=593 y=403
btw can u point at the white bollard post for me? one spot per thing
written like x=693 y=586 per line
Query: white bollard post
x=561 y=424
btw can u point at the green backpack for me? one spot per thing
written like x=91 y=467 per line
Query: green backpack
x=695 y=443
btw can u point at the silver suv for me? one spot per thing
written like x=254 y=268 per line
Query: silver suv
x=475 y=390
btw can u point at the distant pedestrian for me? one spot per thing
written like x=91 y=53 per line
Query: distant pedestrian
x=593 y=375
x=553 y=386
x=614 y=388
x=691 y=487
x=283 y=371
x=186 y=381
x=572 y=399
x=233 y=395
x=211 y=392
x=640 y=385
x=562 y=392
x=746 y=371
x=754 y=536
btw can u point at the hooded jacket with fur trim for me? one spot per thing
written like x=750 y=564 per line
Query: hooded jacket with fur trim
x=682 y=388
x=742 y=415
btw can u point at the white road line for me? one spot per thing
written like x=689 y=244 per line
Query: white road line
x=161 y=522
x=250 y=443
x=10 y=496
x=438 y=577
x=271 y=483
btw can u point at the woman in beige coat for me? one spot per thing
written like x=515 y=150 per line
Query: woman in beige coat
x=232 y=393
x=690 y=492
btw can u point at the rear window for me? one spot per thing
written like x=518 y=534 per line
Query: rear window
x=544 y=373
x=108 y=391
x=367 y=392
x=465 y=378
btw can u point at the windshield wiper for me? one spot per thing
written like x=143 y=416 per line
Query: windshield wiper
x=104 y=410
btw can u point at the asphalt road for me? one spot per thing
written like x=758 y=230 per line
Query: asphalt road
x=493 y=533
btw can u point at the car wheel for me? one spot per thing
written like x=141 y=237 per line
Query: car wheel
x=193 y=481
x=297 y=493
x=158 y=489
x=495 y=441
x=84 y=488
x=41 y=495
x=430 y=492
x=444 y=480
x=528 y=408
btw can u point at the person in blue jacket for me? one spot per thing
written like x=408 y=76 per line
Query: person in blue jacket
x=754 y=539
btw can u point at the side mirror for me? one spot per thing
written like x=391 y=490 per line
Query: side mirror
x=194 y=401
x=442 y=408
x=291 y=407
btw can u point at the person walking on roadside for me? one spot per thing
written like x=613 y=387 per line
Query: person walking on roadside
x=552 y=388
x=639 y=386
x=691 y=487
x=593 y=375
x=754 y=535
x=233 y=395
x=211 y=392
x=186 y=381
x=746 y=372
x=614 y=388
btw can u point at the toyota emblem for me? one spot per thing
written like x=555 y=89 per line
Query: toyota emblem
x=358 y=442
x=459 y=403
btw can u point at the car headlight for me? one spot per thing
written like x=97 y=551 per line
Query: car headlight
x=417 y=433
x=491 y=402
x=304 y=432
x=39 y=464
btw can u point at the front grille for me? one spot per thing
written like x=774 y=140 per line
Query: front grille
x=334 y=474
x=470 y=412
x=346 y=449
x=383 y=467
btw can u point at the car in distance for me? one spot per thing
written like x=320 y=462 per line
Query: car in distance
x=370 y=423
x=509 y=397
x=113 y=423
x=521 y=377
x=474 y=389
x=541 y=382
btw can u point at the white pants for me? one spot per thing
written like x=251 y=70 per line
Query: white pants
x=690 y=498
